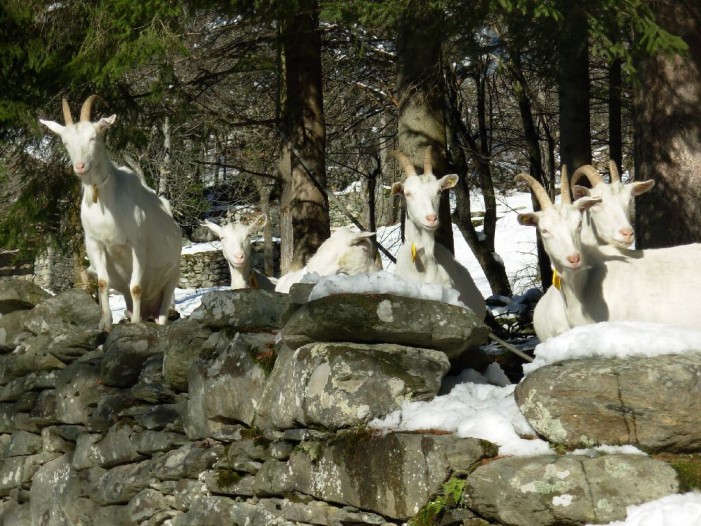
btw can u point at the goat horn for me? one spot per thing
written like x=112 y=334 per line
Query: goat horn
x=565 y=186
x=589 y=172
x=67 y=112
x=405 y=162
x=537 y=189
x=428 y=168
x=613 y=170
x=87 y=107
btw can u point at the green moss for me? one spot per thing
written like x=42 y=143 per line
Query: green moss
x=449 y=498
x=312 y=448
x=227 y=477
x=256 y=434
x=265 y=358
x=688 y=467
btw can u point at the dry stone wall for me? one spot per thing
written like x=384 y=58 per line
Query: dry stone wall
x=253 y=412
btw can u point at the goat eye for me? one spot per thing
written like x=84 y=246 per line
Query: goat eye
x=407 y=195
x=545 y=232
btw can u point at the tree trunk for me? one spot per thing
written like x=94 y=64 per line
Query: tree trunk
x=573 y=92
x=420 y=88
x=668 y=134
x=165 y=167
x=535 y=159
x=305 y=210
x=481 y=243
x=615 y=104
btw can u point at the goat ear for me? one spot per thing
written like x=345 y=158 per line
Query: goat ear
x=580 y=191
x=448 y=181
x=105 y=123
x=213 y=227
x=529 y=219
x=585 y=203
x=53 y=126
x=397 y=188
x=258 y=223
x=640 y=187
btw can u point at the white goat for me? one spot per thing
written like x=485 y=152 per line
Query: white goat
x=345 y=252
x=420 y=258
x=131 y=238
x=606 y=229
x=236 y=246
x=660 y=285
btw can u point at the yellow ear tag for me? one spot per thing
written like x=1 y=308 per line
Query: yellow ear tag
x=253 y=281
x=557 y=281
x=413 y=252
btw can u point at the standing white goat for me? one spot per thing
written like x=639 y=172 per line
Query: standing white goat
x=345 y=252
x=420 y=258
x=236 y=246
x=660 y=285
x=131 y=238
x=606 y=229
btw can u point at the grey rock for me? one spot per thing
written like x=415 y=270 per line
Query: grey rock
x=55 y=495
x=317 y=512
x=13 y=513
x=23 y=443
x=145 y=505
x=392 y=475
x=167 y=417
x=63 y=327
x=187 y=461
x=387 y=319
x=79 y=388
x=114 y=448
x=337 y=385
x=109 y=409
x=60 y=439
x=555 y=490
x=187 y=340
x=227 y=389
x=149 y=442
x=121 y=483
x=126 y=350
x=16 y=472
x=244 y=310
x=12 y=331
x=631 y=401
x=20 y=294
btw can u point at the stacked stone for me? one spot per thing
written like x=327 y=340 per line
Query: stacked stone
x=203 y=269
x=254 y=410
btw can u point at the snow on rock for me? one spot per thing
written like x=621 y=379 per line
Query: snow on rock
x=672 y=510
x=383 y=282
x=616 y=340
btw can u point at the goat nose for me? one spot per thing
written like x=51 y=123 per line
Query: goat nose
x=431 y=218
x=80 y=165
x=627 y=234
x=574 y=259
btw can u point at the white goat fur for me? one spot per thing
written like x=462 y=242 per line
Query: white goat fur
x=131 y=238
x=420 y=258
x=605 y=229
x=345 y=252
x=236 y=246
x=658 y=285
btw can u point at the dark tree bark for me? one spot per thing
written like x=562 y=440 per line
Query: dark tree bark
x=573 y=92
x=668 y=133
x=304 y=217
x=535 y=159
x=615 y=104
x=481 y=243
x=420 y=88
